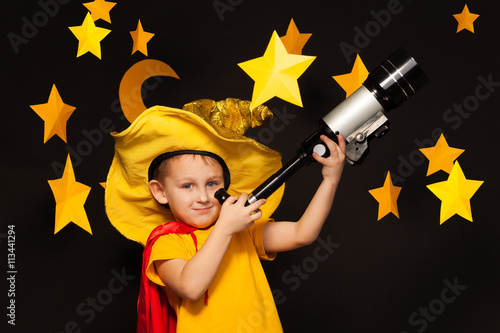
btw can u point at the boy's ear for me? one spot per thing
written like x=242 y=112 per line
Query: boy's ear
x=156 y=189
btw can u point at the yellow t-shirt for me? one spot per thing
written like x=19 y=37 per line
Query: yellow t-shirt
x=239 y=297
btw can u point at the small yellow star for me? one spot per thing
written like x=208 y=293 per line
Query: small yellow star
x=276 y=73
x=89 y=37
x=55 y=114
x=141 y=39
x=352 y=81
x=294 y=41
x=441 y=156
x=99 y=9
x=455 y=194
x=387 y=197
x=70 y=196
x=465 y=20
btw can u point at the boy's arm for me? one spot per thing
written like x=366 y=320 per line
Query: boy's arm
x=284 y=236
x=190 y=279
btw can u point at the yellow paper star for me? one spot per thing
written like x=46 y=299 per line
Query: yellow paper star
x=441 y=156
x=99 y=9
x=465 y=20
x=455 y=194
x=276 y=73
x=55 y=114
x=141 y=39
x=89 y=37
x=70 y=197
x=352 y=81
x=387 y=197
x=294 y=41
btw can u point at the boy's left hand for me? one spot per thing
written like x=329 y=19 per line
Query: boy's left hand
x=333 y=164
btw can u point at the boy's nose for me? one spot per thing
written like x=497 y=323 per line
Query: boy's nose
x=203 y=195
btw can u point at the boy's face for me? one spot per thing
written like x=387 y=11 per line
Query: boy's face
x=188 y=187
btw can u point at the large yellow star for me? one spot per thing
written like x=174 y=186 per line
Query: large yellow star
x=294 y=41
x=99 y=9
x=387 y=197
x=352 y=81
x=465 y=20
x=55 y=114
x=441 y=156
x=70 y=197
x=89 y=37
x=141 y=39
x=276 y=73
x=455 y=194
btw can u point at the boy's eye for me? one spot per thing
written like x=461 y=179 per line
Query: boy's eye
x=212 y=184
x=187 y=186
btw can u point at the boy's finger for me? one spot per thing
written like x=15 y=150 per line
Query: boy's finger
x=231 y=200
x=334 y=147
x=342 y=143
x=255 y=206
x=256 y=214
x=329 y=143
x=243 y=198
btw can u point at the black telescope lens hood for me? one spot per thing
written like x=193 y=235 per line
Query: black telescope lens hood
x=395 y=80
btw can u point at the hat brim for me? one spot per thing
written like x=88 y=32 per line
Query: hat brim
x=130 y=206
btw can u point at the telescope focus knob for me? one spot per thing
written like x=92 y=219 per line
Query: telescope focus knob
x=320 y=149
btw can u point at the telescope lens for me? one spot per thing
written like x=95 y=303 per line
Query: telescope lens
x=395 y=80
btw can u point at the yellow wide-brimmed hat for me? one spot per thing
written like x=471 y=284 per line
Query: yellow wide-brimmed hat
x=129 y=204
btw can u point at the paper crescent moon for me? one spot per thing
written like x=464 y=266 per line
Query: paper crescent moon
x=129 y=92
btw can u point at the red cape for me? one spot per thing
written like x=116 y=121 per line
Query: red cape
x=154 y=313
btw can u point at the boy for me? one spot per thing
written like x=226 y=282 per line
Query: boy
x=219 y=257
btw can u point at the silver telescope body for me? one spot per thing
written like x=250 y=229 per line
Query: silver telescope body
x=363 y=113
x=357 y=118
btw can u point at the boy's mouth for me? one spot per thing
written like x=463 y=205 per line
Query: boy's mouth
x=203 y=209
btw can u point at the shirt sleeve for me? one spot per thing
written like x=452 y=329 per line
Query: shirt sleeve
x=257 y=232
x=171 y=246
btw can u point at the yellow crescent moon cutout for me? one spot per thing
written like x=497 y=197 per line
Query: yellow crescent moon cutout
x=131 y=85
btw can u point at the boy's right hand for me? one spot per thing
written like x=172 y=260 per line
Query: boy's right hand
x=190 y=279
x=235 y=216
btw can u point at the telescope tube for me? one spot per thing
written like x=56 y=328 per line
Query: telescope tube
x=390 y=84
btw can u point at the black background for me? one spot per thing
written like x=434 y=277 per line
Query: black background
x=382 y=275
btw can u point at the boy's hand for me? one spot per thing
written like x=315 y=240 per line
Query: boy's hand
x=235 y=216
x=333 y=164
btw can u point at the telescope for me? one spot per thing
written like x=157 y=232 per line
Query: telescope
x=358 y=118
